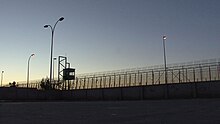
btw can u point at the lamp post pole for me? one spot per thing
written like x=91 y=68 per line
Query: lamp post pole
x=2 y=78
x=165 y=67
x=51 y=52
x=54 y=59
x=28 y=69
x=165 y=63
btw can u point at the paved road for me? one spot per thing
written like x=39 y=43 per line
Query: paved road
x=196 y=111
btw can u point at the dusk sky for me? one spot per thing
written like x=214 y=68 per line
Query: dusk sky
x=104 y=35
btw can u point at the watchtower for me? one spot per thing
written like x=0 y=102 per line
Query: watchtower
x=65 y=73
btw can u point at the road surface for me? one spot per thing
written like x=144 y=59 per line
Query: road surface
x=186 y=111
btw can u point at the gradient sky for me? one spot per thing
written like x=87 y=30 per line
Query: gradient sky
x=103 y=35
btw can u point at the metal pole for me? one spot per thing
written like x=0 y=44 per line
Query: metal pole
x=125 y=82
x=165 y=63
x=141 y=80
x=172 y=75
x=152 y=77
x=146 y=78
x=52 y=37
x=159 y=77
x=134 y=80
x=51 y=55
x=194 y=75
x=210 y=76
x=165 y=66
x=28 y=69
x=110 y=81
x=129 y=80
x=54 y=59
x=2 y=78
x=104 y=81
x=101 y=84
x=68 y=66
x=119 y=80
x=201 y=75
x=114 y=80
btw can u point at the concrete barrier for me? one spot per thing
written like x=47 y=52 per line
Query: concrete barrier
x=132 y=93
x=22 y=94
x=208 y=89
x=203 y=90
x=32 y=93
x=94 y=94
x=53 y=94
x=154 y=92
x=67 y=95
x=215 y=89
x=9 y=93
x=41 y=95
x=79 y=94
x=112 y=94
x=181 y=90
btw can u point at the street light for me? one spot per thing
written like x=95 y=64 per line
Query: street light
x=51 y=52
x=54 y=59
x=28 y=68
x=165 y=66
x=2 y=78
x=164 y=53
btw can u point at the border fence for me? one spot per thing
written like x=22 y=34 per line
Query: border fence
x=197 y=71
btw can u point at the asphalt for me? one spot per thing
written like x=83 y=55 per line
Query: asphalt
x=182 y=111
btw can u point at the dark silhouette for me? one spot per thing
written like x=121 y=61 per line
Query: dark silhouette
x=13 y=84
x=45 y=84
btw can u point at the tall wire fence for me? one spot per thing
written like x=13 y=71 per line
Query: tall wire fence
x=197 y=71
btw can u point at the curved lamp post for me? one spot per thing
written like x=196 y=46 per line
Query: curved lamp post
x=28 y=69
x=51 y=52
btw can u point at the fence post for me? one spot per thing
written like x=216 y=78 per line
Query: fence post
x=119 y=81
x=100 y=82
x=109 y=81
x=141 y=80
x=104 y=81
x=138 y=76
x=84 y=84
x=114 y=80
x=129 y=80
x=125 y=78
x=152 y=77
x=88 y=83
x=210 y=76
x=146 y=78
x=80 y=83
x=172 y=75
x=201 y=76
x=218 y=70
x=194 y=75
x=183 y=74
x=135 y=79
x=186 y=76
x=159 y=77
x=96 y=82
x=76 y=82
x=92 y=83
